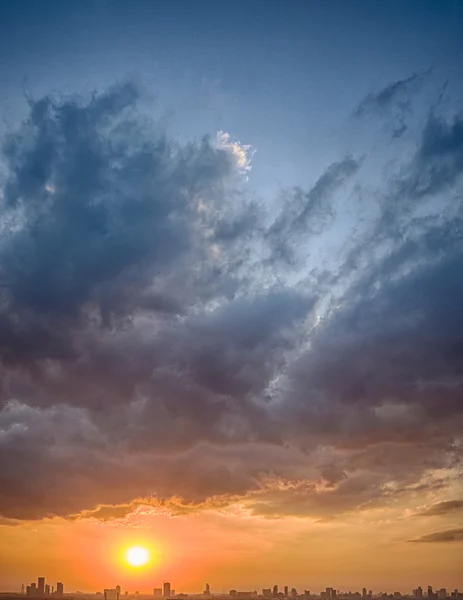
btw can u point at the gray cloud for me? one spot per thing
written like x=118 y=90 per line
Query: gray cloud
x=393 y=103
x=308 y=213
x=450 y=535
x=146 y=337
x=442 y=508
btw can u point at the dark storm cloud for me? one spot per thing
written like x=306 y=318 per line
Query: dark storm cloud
x=442 y=508
x=146 y=338
x=450 y=535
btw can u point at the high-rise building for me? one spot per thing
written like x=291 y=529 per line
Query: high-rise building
x=41 y=586
x=275 y=591
x=429 y=591
x=111 y=594
x=267 y=592
x=59 y=589
x=286 y=591
x=157 y=592
x=207 y=590
x=442 y=594
x=293 y=593
x=364 y=592
x=166 y=590
x=47 y=589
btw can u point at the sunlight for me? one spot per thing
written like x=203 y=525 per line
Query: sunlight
x=137 y=556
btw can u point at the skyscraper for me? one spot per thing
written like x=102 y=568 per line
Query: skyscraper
x=41 y=586
x=47 y=589
x=275 y=591
x=166 y=589
x=286 y=591
x=59 y=589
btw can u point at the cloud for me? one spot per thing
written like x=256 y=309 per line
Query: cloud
x=308 y=213
x=393 y=103
x=391 y=94
x=165 y=339
x=450 y=535
x=442 y=508
x=438 y=163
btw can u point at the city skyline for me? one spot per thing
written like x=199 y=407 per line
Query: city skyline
x=231 y=325
x=42 y=589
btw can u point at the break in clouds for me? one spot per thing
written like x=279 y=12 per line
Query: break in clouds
x=163 y=327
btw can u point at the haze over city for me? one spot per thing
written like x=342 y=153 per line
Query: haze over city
x=231 y=324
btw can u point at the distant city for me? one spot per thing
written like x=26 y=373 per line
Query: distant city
x=41 y=589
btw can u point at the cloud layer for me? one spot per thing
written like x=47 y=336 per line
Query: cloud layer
x=163 y=336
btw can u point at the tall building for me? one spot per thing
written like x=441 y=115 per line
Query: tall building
x=166 y=589
x=207 y=590
x=364 y=592
x=47 y=589
x=41 y=586
x=275 y=591
x=111 y=594
x=293 y=593
x=157 y=592
x=286 y=591
x=267 y=592
x=59 y=589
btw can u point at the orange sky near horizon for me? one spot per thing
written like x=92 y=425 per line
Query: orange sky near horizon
x=228 y=549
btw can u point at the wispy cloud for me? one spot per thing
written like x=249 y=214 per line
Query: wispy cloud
x=442 y=508
x=449 y=535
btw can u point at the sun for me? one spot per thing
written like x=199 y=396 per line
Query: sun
x=137 y=556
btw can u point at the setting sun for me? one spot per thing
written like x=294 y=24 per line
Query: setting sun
x=137 y=556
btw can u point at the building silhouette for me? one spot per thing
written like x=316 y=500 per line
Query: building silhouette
x=166 y=592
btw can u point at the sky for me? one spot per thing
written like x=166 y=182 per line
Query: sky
x=230 y=306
